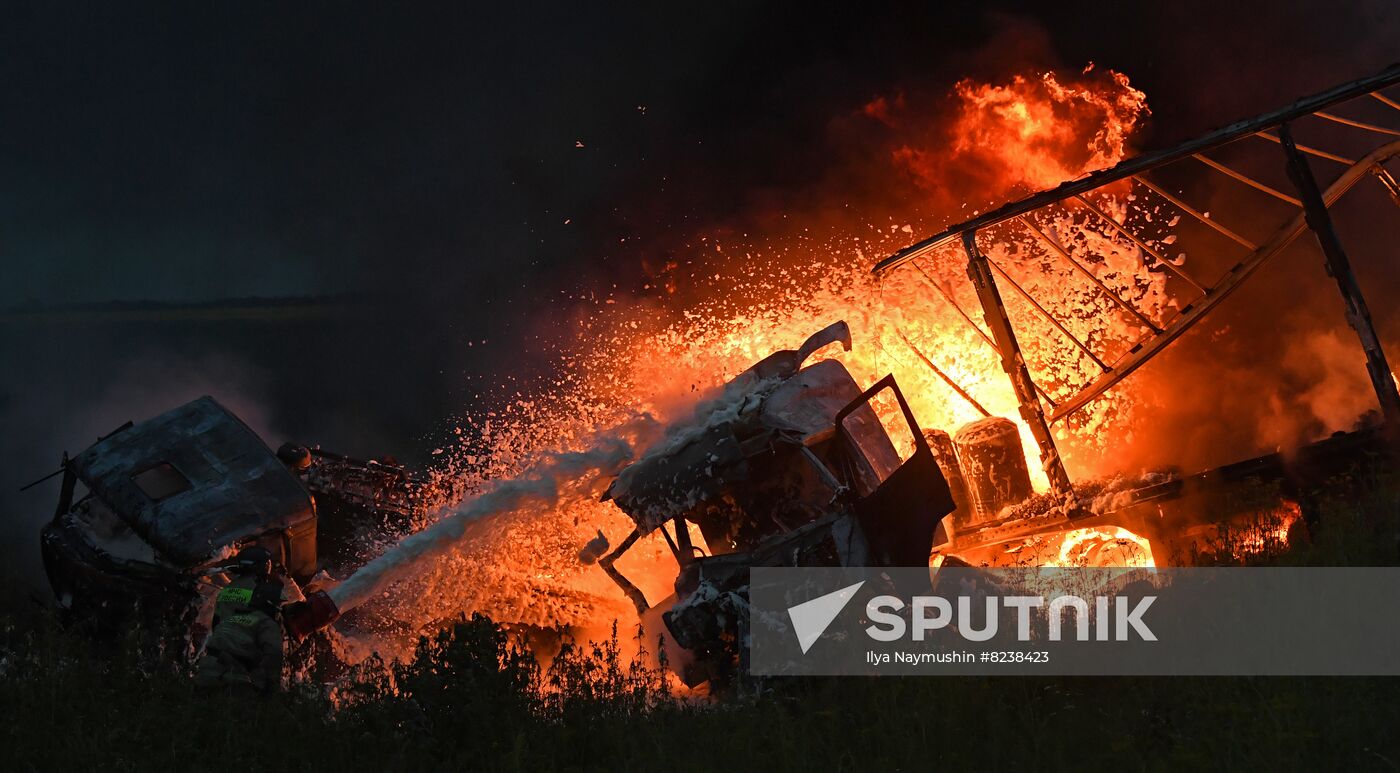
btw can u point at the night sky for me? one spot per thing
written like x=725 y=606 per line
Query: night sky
x=404 y=176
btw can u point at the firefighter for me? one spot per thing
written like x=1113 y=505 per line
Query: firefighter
x=253 y=568
x=245 y=649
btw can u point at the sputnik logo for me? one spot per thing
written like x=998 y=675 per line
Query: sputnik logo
x=811 y=618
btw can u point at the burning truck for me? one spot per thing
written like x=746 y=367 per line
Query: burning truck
x=788 y=466
x=791 y=464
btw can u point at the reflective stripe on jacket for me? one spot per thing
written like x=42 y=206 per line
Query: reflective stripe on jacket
x=234 y=597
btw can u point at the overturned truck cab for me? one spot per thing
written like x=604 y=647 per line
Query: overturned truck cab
x=788 y=466
x=149 y=516
x=148 y=510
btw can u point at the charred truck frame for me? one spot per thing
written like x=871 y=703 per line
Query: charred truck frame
x=789 y=466
x=1149 y=508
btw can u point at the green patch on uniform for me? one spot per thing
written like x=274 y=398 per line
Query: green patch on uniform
x=247 y=619
x=236 y=595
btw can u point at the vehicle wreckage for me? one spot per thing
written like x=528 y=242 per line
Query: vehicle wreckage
x=792 y=464
x=148 y=516
x=789 y=466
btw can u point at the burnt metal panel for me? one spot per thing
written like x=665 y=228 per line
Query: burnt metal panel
x=237 y=489
x=808 y=402
x=657 y=488
x=900 y=517
x=788 y=399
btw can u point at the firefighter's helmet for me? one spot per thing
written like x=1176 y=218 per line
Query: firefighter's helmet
x=297 y=458
x=255 y=560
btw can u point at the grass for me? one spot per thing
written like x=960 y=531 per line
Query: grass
x=471 y=699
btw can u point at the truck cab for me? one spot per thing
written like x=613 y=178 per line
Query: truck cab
x=150 y=509
x=789 y=465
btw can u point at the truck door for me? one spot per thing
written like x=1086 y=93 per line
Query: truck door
x=901 y=493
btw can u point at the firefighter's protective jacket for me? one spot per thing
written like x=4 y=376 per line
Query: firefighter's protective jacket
x=244 y=649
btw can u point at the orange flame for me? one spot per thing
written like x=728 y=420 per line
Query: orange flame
x=1030 y=133
x=642 y=357
x=1266 y=533
x=1112 y=546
